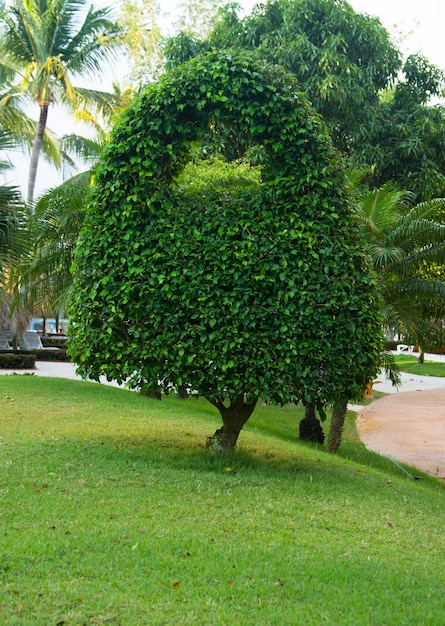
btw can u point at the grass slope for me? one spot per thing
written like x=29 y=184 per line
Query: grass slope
x=112 y=514
x=411 y=364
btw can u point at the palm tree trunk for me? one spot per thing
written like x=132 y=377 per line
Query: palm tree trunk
x=234 y=417
x=36 y=149
x=336 y=430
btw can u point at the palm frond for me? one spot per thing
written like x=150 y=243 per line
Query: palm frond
x=11 y=206
x=414 y=230
x=85 y=148
x=383 y=256
x=96 y=41
x=407 y=248
x=52 y=229
x=381 y=209
x=391 y=369
x=95 y=102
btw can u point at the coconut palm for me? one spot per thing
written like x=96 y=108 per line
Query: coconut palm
x=11 y=219
x=407 y=247
x=43 y=278
x=46 y=45
x=10 y=208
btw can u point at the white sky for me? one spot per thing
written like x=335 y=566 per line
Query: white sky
x=417 y=26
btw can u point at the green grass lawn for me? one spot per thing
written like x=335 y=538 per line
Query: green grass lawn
x=410 y=364
x=111 y=513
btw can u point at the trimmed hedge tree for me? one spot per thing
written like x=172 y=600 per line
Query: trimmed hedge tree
x=233 y=294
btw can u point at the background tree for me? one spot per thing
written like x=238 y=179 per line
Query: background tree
x=342 y=59
x=142 y=38
x=407 y=247
x=381 y=118
x=198 y=17
x=233 y=293
x=18 y=130
x=42 y=277
x=11 y=211
x=406 y=141
x=48 y=44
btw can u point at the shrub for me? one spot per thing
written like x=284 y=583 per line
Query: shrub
x=54 y=342
x=17 y=360
x=51 y=355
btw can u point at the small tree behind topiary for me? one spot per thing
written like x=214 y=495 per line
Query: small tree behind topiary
x=237 y=291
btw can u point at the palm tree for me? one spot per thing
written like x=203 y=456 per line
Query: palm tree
x=407 y=247
x=46 y=44
x=11 y=220
x=11 y=207
x=42 y=278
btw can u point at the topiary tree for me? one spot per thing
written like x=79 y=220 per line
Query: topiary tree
x=233 y=291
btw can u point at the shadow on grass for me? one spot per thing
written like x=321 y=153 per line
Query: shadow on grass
x=102 y=421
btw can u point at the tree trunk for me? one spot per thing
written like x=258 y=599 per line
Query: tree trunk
x=335 y=432
x=183 y=393
x=233 y=417
x=151 y=390
x=310 y=427
x=421 y=357
x=36 y=149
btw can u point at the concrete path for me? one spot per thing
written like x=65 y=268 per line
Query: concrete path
x=408 y=425
x=55 y=370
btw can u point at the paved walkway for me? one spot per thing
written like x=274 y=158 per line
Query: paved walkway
x=55 y=370
x=408 y=425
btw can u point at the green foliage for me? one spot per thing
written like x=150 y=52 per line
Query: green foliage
x=378 y=116
x=342 y=59
x=216 y=176
x=405 y=142
x=407 y=248
x=262 y=291
x=421 y=81
x=42 y=276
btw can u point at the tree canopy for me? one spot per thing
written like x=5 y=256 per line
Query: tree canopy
x=341 y=58
x=377 y=110
x=256 y=290
x=406 y=244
